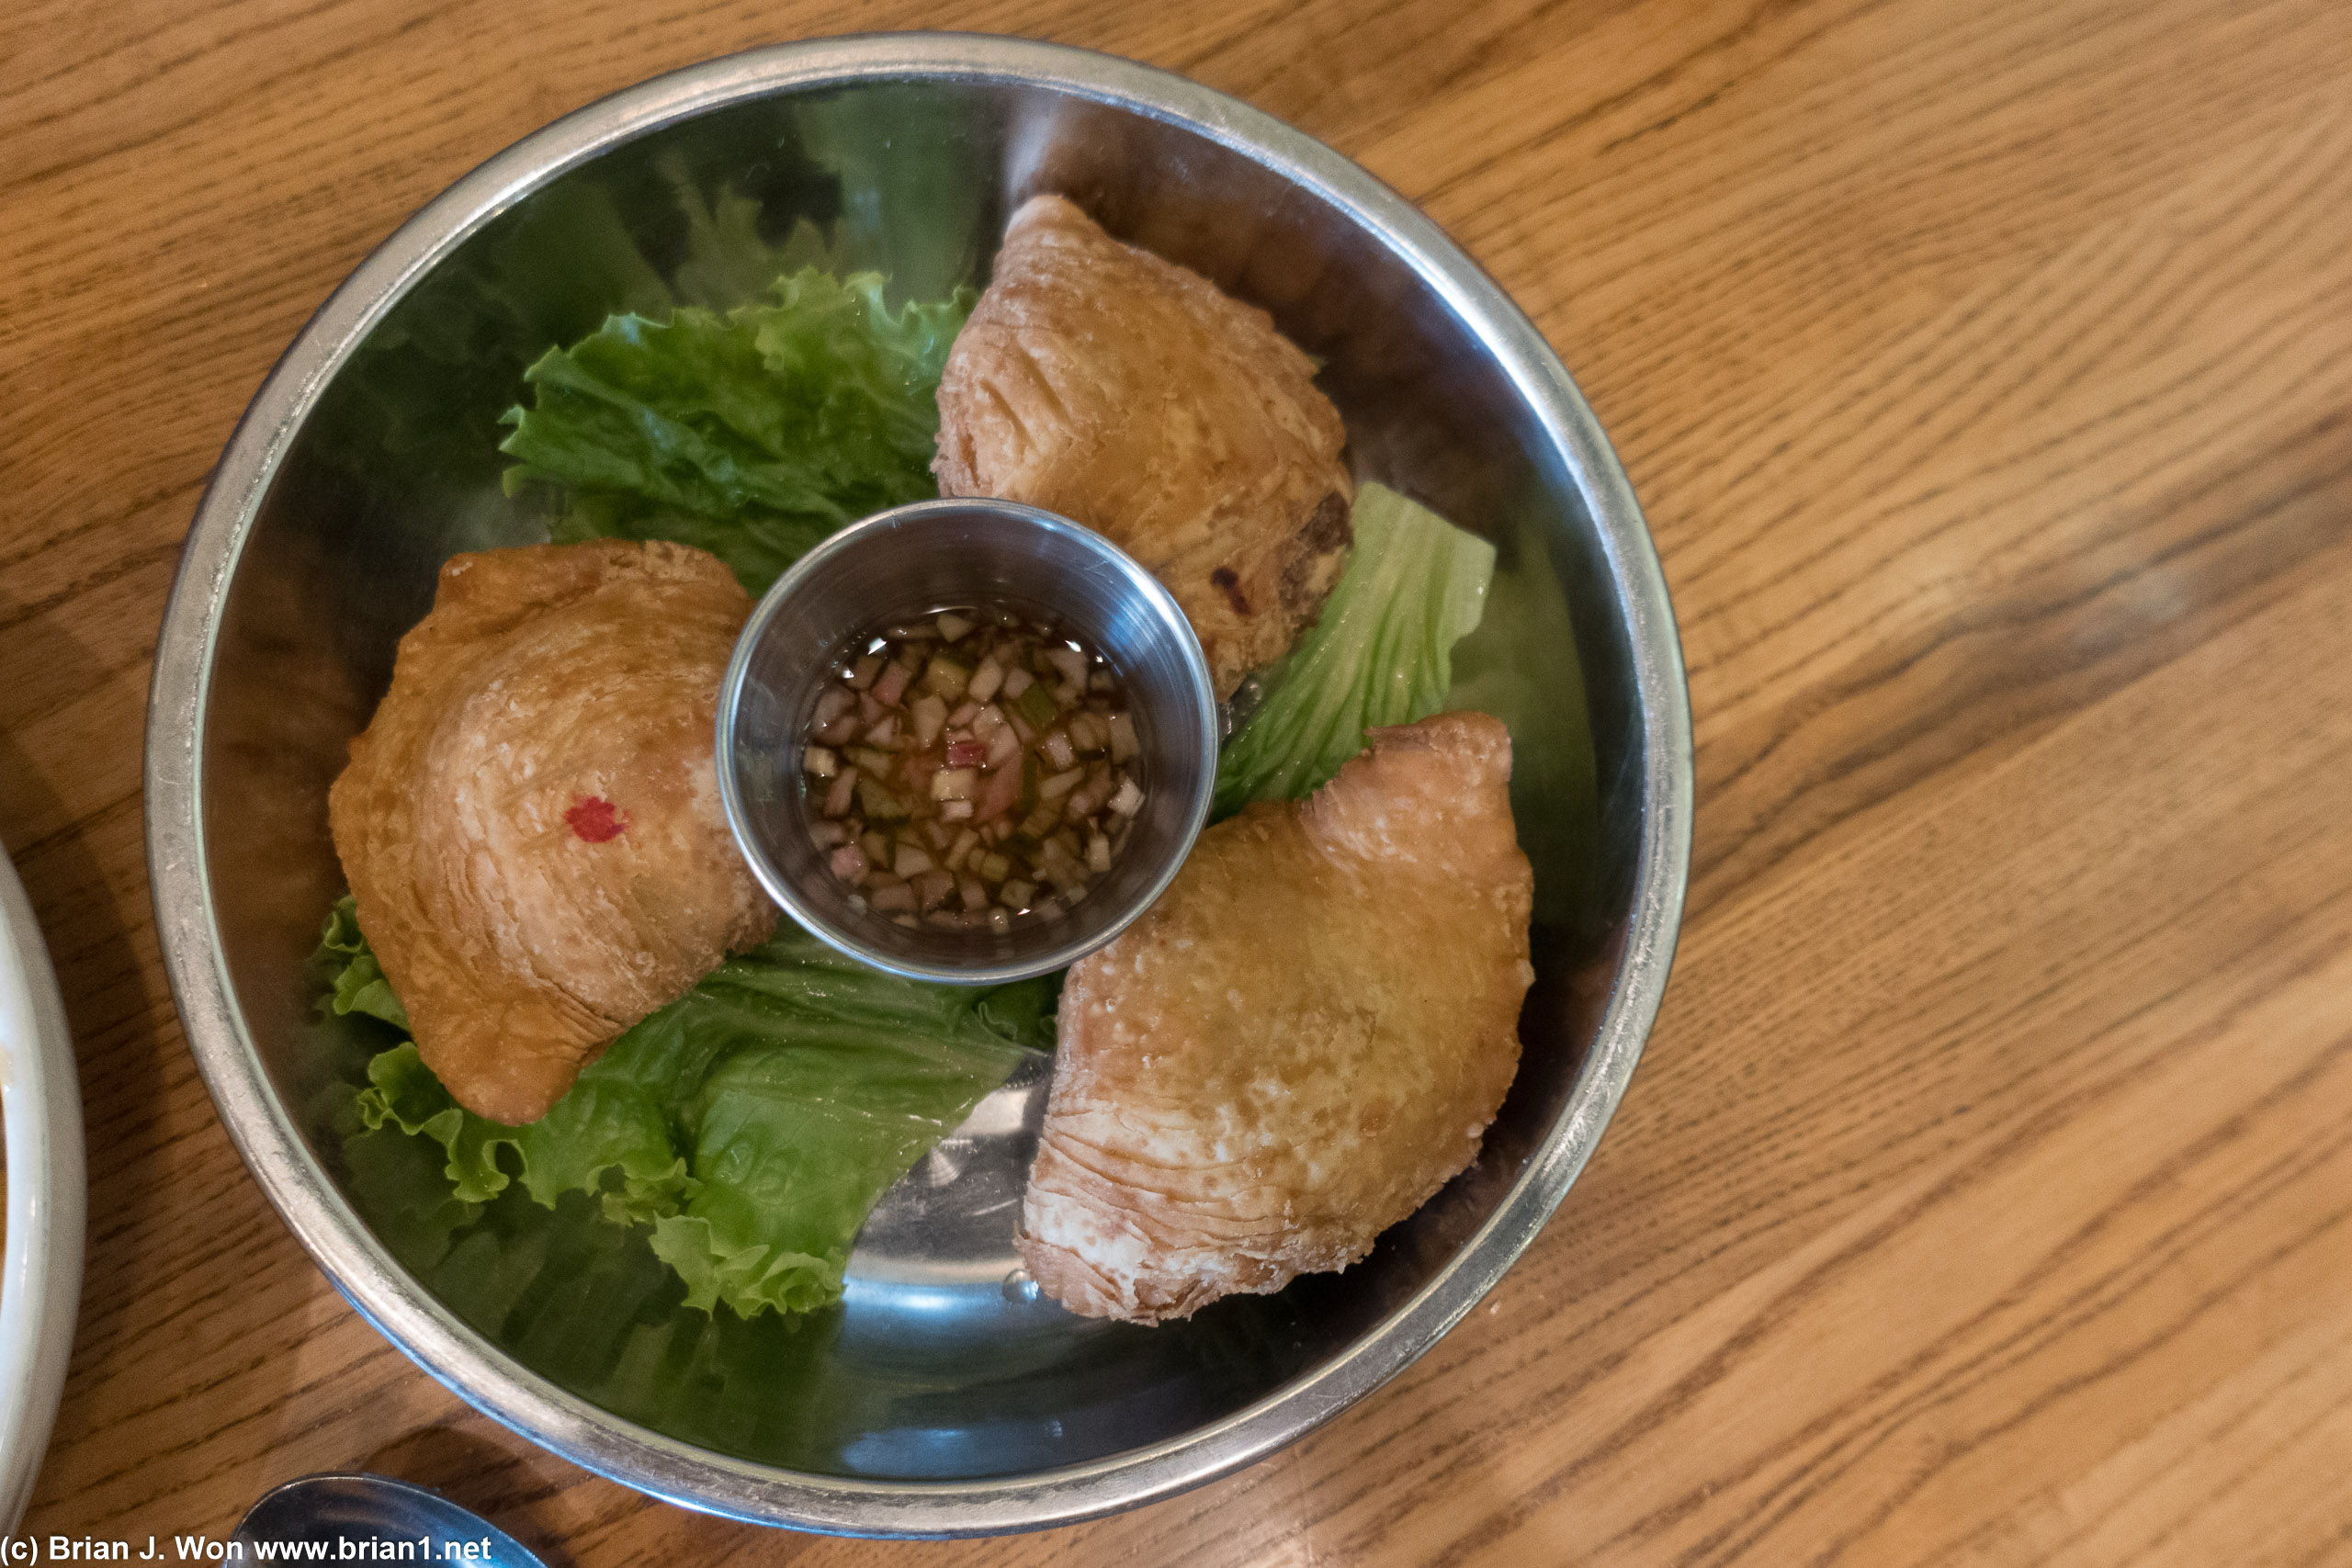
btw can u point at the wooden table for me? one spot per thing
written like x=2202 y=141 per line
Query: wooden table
x=1986 y=372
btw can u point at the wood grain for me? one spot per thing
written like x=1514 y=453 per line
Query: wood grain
x=1986 y=1195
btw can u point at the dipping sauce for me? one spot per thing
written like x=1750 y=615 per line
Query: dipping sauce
x=970 y=770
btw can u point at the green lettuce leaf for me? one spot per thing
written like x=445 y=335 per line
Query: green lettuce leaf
x=794 y=1143
x=1520 y=665
x=751 y=1124
x=751 y=433
x=359 y=983
x=1381 y=654
x=609 y=1137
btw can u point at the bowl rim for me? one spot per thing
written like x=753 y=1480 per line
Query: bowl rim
x=865 y=533
x=362 y=1270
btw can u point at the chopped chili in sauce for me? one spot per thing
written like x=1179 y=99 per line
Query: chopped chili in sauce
x=969 y=770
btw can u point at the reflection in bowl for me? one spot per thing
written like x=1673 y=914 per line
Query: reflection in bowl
x=942 y=1397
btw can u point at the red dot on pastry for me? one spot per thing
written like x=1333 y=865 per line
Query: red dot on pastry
x=595 y=819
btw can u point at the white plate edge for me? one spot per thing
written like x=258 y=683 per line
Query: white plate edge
x=41 y=1270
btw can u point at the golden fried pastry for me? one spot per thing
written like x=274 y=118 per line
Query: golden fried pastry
x=1096 y=380
x=1298 y=1045
x=531 y=823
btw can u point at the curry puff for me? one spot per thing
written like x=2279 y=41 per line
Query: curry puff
x=1125 y=392
x=531 y=823
x=1298 y=1045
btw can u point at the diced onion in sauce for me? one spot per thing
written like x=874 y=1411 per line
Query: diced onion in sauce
x=970 y=769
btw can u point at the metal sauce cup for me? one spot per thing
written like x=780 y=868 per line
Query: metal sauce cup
x=902 y=565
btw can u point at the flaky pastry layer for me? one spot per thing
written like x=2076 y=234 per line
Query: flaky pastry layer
x=1298 y=1045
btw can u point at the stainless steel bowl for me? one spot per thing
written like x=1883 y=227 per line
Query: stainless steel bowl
x=944 y=1399
x=899 y=566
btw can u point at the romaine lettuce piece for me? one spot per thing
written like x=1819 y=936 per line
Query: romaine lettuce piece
x=1381 y=653
x=752 y=1124
x=1520 y=665
x=772 y=424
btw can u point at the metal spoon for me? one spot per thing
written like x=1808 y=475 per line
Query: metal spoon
x=305 y=1519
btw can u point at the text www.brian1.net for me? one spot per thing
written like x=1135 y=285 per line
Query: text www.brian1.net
x=31 y=1549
